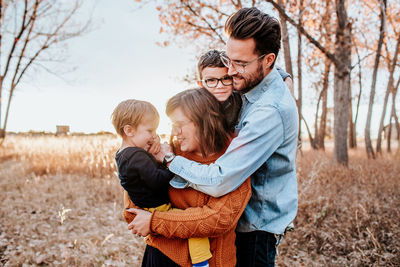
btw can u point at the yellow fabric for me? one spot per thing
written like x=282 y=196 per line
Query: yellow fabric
x=163 y=207
x=199 y=248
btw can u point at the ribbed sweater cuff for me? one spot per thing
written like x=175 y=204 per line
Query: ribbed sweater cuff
x=152 y=223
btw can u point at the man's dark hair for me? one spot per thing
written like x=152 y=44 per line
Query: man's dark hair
x=252 y=23
x=211 y=59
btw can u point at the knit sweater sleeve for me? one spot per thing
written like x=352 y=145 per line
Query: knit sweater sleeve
x=218 y=216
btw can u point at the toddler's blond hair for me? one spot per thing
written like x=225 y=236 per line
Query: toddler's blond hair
x=131 y=112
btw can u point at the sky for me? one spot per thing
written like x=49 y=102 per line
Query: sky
x=117 y=60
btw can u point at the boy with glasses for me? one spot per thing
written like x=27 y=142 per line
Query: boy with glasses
x=213 y=74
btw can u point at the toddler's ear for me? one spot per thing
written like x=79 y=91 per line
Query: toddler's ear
x=128 y=130
x=200 y=83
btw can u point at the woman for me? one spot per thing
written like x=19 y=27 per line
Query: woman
x=199 y=129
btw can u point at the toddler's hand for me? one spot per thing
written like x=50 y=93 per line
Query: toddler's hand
x=156 y=146
x=165 y=148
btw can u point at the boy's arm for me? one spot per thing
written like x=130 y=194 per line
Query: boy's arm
x=153 y=175
x=287 y=78
x=255 y=143
x=283 y=73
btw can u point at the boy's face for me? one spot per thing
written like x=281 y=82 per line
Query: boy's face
x=221 y=89
x=144 y=134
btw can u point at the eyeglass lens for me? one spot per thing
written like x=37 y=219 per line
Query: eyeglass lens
x=213 y=82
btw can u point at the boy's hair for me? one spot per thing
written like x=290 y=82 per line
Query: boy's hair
x=131 y=112
x=204 y=110
x=252 y=23
x=212 y=59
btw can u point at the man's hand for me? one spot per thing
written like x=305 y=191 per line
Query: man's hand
x=141 y=224
x=155 y=146
x=165 y=148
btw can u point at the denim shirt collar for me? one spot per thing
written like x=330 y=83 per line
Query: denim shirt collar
x=255 y=93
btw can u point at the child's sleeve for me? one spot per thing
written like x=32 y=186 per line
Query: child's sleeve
x=152 y=175
x=283 y=73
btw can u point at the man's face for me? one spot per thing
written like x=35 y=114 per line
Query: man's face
x=242 y=51
x=218 y=87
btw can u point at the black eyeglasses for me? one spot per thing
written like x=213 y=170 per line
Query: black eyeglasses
x=213 y=82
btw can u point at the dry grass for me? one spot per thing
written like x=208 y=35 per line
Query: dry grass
x=61 y=205
x=347 y=216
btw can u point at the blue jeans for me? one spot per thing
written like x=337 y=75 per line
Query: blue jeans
x=255 y=249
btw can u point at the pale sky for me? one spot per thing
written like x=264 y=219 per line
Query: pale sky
x=117 y=60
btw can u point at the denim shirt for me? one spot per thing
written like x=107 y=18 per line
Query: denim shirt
x=265 y=149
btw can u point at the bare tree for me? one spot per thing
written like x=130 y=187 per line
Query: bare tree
x=390 y=86
x=30 y=30
x=299 y=71
x=285 y=41
x=324 y=95
x=368 y=144
x=341 y=58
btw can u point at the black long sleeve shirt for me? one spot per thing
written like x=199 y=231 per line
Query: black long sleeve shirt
x=145 y=180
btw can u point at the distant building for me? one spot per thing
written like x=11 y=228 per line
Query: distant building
x=62 y=129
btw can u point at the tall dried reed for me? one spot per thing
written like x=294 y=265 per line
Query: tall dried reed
x=92 y=156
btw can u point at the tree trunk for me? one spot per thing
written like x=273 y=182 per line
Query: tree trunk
x=342 y=83
x=308 y=131
x=322 y=123
x=316 y=132
x=285 y=41
x=368 y=143
x=380 y=131
x=352 y=128
x=389 y=90
x=2 y=132
x=389 y=134
x=299 y=71
x=359 y=94
x=396 y=119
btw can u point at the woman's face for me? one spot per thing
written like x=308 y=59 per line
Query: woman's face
x=185 y=131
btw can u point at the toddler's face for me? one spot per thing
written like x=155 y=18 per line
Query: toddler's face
x=218 y=82
x=145 y=133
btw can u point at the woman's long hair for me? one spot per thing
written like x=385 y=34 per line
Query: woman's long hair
x=204 y=110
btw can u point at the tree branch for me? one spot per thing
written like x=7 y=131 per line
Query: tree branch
x=187 y=5
x=16 y=39
x=305 y=33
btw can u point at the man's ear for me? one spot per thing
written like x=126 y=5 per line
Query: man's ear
x=268 y=60
x=128 y=130
x=200 y=83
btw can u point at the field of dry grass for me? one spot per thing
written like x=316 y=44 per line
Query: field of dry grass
x=61 y=205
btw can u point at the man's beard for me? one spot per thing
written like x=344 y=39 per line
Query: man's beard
x=251 y=81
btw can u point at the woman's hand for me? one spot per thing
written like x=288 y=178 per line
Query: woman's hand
x=141 y=224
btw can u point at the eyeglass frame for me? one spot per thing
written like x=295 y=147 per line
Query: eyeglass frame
x=179 y=127
x=218 y=80
x=233 y=63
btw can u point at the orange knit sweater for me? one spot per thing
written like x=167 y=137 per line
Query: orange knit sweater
x=201 y=216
